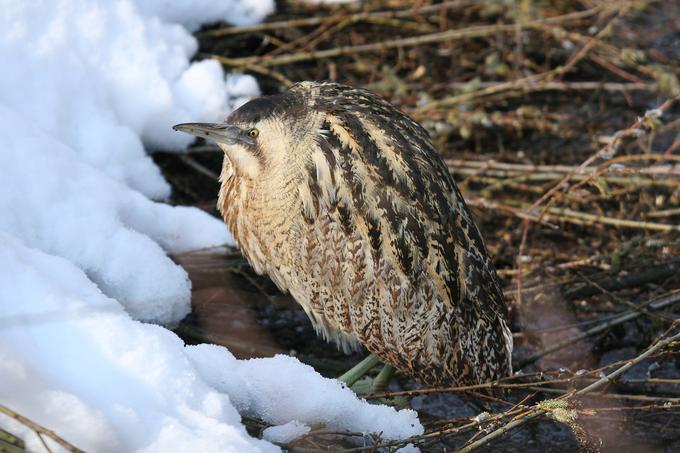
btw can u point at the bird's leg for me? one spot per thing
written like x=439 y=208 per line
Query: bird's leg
x=359 y=370
x=382 y=380
x=377 y=385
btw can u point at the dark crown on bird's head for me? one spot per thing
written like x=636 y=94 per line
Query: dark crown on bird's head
x=263 y=108
x=359 y=109
x=326 y=97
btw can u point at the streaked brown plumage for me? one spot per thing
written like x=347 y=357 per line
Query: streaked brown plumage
x=344 y=202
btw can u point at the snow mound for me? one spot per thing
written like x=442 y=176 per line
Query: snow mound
x=89 y=81
x=73 y=360
x=258 y=387
x=83 y=248
x=116 y=235
x=195 y=13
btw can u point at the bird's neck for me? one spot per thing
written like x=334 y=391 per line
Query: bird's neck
x=260 y=216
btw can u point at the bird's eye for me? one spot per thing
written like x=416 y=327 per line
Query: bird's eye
x=253 y=133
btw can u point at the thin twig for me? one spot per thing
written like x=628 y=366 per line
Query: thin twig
x=40 y=430
x=200 y=168
x=539 y=410
x=565 y=86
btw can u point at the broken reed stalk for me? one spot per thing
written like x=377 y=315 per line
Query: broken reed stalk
x=542 y=408
x=613 y=396
x=565 y=86
x=530 y=84
x=40 y=430
x=508 y=169
x=502 y=178
x=554 y=215
x=582 y=218
x=540 y=385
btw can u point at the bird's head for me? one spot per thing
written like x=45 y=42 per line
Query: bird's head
x=265 y=134
x=325 y=140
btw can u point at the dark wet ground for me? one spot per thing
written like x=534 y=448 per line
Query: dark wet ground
x=244 y=312
x=583 y=263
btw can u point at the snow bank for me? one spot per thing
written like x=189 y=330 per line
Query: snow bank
x=97 y=75
x=193 y=14
x=73 y=360
x=258 y=387
x=83 y=248
x=88 y=81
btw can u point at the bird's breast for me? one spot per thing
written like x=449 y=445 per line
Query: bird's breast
x=263 y=224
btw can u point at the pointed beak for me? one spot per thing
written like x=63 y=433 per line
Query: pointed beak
x=217 y=132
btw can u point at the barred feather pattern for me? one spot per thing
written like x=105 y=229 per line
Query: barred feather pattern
x=364 y=225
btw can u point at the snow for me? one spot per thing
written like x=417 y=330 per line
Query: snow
x=86 y=285
x=283 y=434
x=72 y=359
x=257 y=387
x=193 y=14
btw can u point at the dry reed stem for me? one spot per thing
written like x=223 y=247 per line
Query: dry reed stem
x=553 y=214
x=513 y=169
x=39 y=430
x=541 y=409
x=565 y=86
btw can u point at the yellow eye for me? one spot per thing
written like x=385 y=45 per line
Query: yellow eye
x=253 y=133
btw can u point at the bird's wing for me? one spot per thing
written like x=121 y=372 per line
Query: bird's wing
x=376 y=170
x=376 y=173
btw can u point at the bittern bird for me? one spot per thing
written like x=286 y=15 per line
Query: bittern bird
x=344 y=202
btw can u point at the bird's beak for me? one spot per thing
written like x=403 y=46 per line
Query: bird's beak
x=217 y=132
